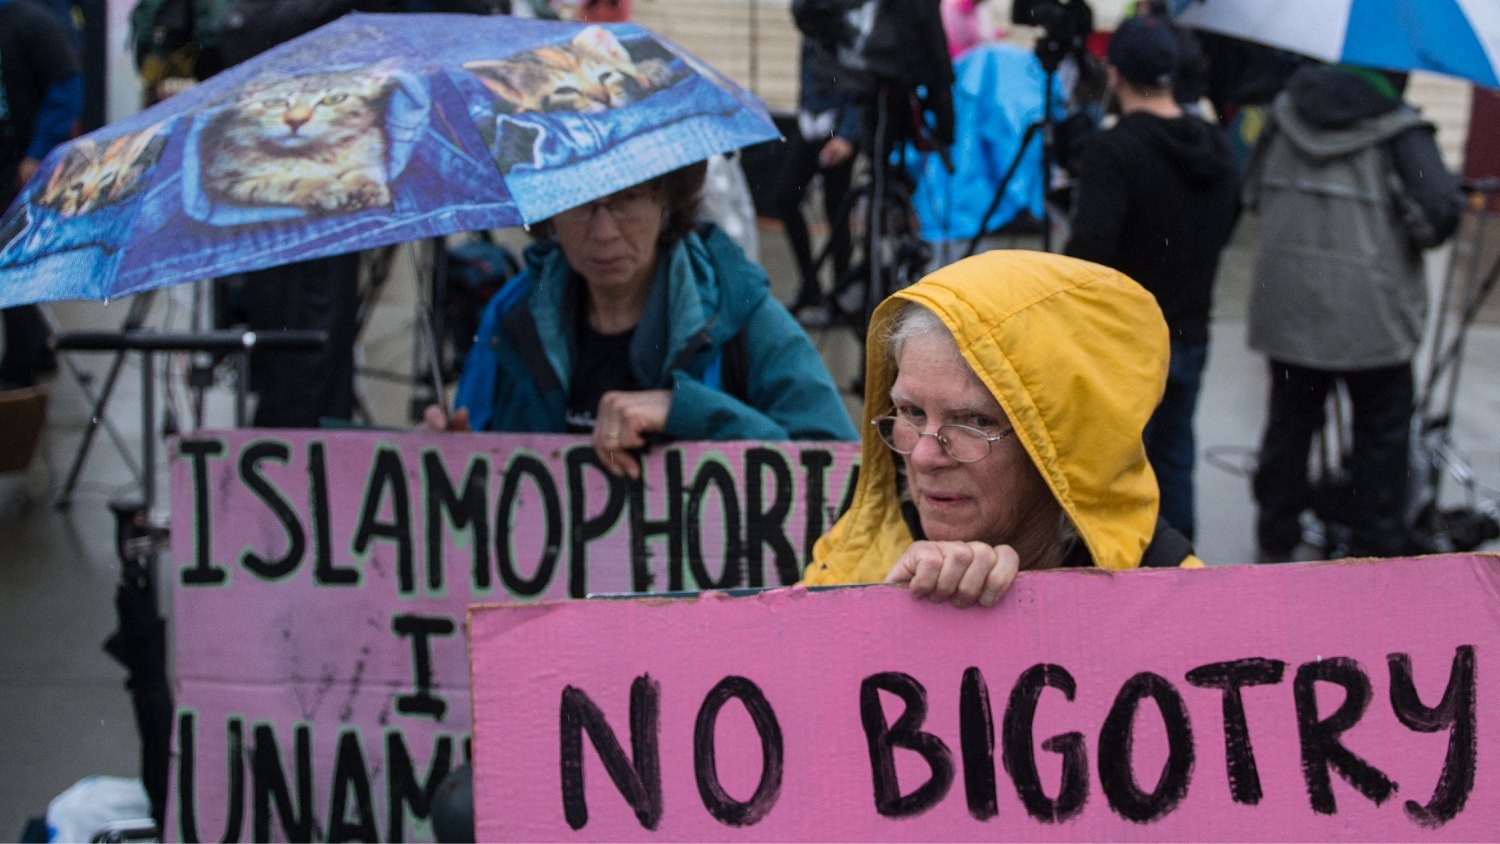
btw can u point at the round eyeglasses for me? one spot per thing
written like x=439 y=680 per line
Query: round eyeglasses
x=960 y=442
x=627 y=206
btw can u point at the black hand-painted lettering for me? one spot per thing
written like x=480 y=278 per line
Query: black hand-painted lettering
x=420 y=628
x=883 y=739
x=669 y=526
x=725 y=808
x=388 y=475
x=187 y=798
x=1239 y=755
x=639 y=782
x=202 y=572
x=714 y=474
x=351 y=778
x=1117 y=737
x=404 y=789
x=815 y=463
x=1456 y=712
x=466 y=511
x=1019 y=758
x=847 y=499
x=976 y=725
x=269 y=781
x=250 y=476
x=1321 y=747
x=765 y=524
x=523 y=466
x=325 y=573
x=586 y=529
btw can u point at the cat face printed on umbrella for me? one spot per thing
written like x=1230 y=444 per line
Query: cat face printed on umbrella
x=545 y=103
x=95 y=174
x=316 y=142
x=588 y=74
x=84 y=198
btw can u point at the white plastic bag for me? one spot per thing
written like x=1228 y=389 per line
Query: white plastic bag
x=94 y=803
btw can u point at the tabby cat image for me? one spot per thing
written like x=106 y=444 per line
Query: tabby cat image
x=316 y=142
x=90 y=177
x=592 y=73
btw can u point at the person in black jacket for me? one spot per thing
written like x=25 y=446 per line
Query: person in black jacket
x=1157 y=200
x=41 y=95
x=826 y=140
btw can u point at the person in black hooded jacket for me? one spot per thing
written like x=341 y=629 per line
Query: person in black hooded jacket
x=1157 y=199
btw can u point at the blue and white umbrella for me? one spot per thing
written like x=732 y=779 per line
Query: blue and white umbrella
x=1458 y=38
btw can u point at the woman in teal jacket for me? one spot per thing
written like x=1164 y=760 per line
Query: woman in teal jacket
x=631 y=324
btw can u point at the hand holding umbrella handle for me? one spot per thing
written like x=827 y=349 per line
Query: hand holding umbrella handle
x=436 y=418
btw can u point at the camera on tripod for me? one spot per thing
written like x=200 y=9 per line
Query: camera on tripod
x=892 y=49
x=1065 y=25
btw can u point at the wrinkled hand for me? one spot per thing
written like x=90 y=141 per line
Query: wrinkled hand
x=621 y=424
x=835 y=152
x=963 y=573
x=436 y=420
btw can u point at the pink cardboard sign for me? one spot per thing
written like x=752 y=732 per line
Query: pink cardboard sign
x=321 y=580
x=1317 y=701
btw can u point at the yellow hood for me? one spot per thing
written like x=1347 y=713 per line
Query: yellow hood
x=1076 y=354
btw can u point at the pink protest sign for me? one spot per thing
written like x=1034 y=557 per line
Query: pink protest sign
x=320 y=582
x=1318 y=701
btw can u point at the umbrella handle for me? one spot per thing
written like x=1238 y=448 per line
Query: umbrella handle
x=429 y=337
x=433 y=368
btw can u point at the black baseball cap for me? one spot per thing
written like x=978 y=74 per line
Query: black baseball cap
x=1144 y=51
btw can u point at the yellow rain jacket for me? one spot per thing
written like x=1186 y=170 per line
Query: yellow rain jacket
x=1076 y=354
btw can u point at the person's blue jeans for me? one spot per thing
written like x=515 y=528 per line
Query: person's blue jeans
x=1170 y=443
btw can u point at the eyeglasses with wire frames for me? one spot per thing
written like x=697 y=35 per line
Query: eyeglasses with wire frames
x=630 y=205
x=960 y=442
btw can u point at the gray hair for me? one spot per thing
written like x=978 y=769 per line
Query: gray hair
x=912 y=321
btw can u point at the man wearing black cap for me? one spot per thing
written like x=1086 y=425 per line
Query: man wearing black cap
x=1157 y=199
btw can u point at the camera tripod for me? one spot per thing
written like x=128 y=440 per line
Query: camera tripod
x=1047 y=129
x=1438 y=528
x=139 y=642
x=1065 y=24
x=890 y=253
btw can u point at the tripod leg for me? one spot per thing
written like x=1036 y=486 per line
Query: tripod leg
x=1010 y=173
x=136 y=316
x=96 y=419
x=875 y=289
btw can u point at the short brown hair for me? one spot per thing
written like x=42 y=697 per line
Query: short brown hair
x=683 y=190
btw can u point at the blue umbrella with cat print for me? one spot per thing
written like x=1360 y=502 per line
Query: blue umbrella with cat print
x=372 y=130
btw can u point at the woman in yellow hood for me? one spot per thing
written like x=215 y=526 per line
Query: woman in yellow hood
x=1005 y=396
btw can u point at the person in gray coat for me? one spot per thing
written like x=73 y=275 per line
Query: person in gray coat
x=1350 y=189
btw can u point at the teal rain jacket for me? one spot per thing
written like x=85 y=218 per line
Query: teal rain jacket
x=706 y=291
